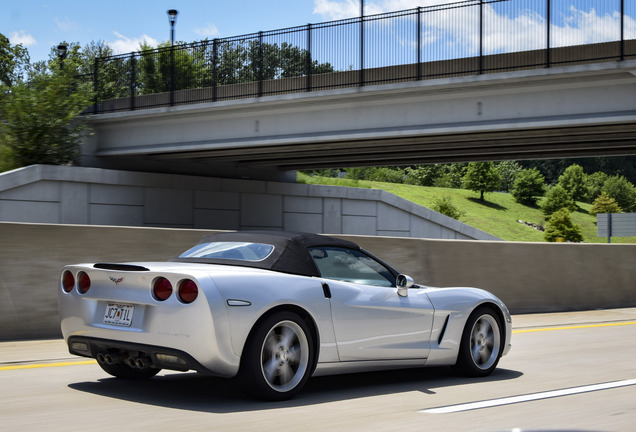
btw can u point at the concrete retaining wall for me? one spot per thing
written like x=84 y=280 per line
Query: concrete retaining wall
x=529 y=277
x=92 y=196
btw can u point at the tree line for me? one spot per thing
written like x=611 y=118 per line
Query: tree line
x=201 y=65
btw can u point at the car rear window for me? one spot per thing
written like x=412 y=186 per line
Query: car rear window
x=241 y=251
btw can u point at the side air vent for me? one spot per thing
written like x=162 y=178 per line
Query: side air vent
x=120 y=267
x=441 y=334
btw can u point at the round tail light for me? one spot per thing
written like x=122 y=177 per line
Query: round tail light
x=84 y=283
x=188 y=291
x=161 y=289
x=68 y=281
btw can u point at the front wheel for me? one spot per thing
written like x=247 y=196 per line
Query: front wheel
x=481 y=344
x=278 y=357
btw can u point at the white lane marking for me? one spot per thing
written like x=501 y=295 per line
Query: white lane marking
x=527 y=398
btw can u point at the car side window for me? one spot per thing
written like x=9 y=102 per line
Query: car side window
x=350 y=265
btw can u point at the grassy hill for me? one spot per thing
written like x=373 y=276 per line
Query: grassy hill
x=498 y=215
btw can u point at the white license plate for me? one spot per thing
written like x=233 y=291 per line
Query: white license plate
x=119 y=314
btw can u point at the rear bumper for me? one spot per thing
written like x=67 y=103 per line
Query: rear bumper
x=160 y=357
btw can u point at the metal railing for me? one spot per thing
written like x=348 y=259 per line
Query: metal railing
x=462 y=38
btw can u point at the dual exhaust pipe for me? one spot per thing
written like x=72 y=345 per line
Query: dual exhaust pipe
x=111 y=358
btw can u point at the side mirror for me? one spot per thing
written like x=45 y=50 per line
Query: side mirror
x=403 y=283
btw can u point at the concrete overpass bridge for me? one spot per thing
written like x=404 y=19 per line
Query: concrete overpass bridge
x=565 y=111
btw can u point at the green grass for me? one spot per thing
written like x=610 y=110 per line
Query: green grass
x=498 y=215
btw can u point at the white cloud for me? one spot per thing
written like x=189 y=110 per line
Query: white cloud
x=124 y=44
x=66 y=24
x=22 y=38
x=330 y=10
x=457 y=28
x=210 y=30
x=340 y=9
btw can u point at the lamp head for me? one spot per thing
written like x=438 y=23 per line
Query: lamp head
x=172 y=15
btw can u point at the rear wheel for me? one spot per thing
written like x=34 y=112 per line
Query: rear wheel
x=481 y=344
x=278 y=357
x=122 y=370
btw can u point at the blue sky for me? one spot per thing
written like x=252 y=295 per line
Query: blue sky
x=42 y=24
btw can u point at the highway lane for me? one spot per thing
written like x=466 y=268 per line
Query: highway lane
x=549 y=381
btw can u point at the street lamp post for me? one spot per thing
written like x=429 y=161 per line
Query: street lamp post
x=62 y=50
x=172 y=16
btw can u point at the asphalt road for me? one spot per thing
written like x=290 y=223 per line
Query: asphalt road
x=565 y=372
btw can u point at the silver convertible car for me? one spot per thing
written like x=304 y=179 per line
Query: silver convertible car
x=272 y=309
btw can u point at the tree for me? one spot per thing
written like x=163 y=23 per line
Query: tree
x=574 y=182
x=528 y=186
x=481 y=177
x=211 y=63
x=7 y=160
x=556 y=199
x=13 y=60
x=508 y=171
x=560 y=226
x=451 y=176
x=156 y=68
x=605 y=204
x=41 y=117
x=624 y=192
x=594 y=184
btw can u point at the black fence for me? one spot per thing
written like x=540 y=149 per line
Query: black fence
x=462 y=38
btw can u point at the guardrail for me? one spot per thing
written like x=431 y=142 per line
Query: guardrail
x=462 y=38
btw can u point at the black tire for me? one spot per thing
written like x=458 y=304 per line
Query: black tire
x=122 y=370
x=482 y=343
x=278 y=357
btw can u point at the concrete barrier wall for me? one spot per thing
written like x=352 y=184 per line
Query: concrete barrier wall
x=529 y=277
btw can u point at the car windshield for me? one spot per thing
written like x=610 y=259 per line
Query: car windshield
x=230 y=250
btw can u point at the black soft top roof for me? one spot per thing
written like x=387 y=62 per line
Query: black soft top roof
x=290 y=253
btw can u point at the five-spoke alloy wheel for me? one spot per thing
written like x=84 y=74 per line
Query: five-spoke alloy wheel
x=278 y=357
x=481 y=344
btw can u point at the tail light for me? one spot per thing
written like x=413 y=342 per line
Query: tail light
x=68 y=281
x=84 y=283
x=188 y=291
x=161 y=289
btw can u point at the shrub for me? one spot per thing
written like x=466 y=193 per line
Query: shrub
x=445 y=206
x=449 y=180
x=560 y=226
x=380 y=174
x=605 y=204
x=423 y=175
x=528 y=186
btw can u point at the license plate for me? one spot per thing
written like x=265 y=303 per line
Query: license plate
x=119 y=314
